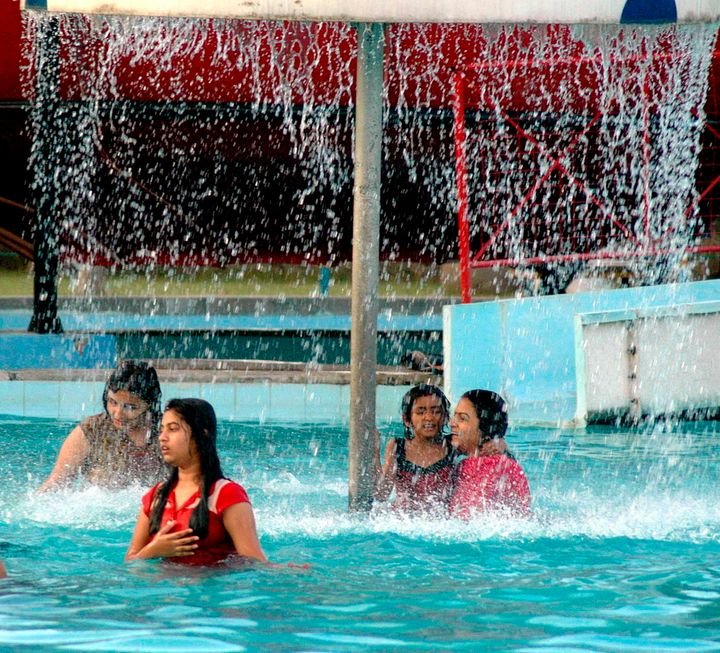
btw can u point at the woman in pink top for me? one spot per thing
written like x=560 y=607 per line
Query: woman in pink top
x=196 y=516
x=486 y=479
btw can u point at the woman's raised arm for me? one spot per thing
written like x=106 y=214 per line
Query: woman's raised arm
x=69 y=460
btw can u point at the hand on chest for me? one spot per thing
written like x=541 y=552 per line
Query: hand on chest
x=179 y=506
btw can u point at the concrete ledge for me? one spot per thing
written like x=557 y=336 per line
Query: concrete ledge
x=231 y=372
x=376 y=11
x=254 y=306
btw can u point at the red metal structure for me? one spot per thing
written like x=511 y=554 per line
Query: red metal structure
x=168 y=117
x=557 y=208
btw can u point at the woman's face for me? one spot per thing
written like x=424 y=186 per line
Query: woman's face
x=126 y=410
x=427 y=416
x=465 y=427
x=176 y=443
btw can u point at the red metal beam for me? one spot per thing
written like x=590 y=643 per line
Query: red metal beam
x=462 y=186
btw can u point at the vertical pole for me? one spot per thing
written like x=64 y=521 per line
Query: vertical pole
x=365 y=265
x=47 y=228
x=462 y=185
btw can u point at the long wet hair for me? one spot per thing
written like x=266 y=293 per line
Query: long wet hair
x=491 y=410
x=200 y=417
x=415 y=393
x=140 y=379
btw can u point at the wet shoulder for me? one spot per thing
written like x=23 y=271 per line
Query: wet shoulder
x=96 y=427
x=225 y=493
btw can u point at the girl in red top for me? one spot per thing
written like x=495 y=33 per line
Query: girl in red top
x=419 y=466
x=486 y=479
x=197 y=516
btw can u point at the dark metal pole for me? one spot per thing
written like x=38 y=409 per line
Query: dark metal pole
x=47 y=224
x=365 y=265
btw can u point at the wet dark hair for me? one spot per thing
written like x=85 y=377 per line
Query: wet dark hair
x=491 y=410
x=200 y=417
x=138 y=378
x=423 y=390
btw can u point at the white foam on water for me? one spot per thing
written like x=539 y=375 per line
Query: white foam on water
x=89 y=507
x=669 y=516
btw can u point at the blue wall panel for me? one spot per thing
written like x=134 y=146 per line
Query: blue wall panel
x=78 y=351
x=525 y=348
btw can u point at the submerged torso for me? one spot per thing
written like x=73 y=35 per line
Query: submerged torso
x=217 y=545
x=489 y=482
x=422 y=489
x=114 y=460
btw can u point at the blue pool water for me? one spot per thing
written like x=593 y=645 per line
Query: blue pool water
x=623 y=554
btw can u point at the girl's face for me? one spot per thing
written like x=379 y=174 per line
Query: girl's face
x=176 y=442
x=465 y=427
x=126 y=410
x=427 y=416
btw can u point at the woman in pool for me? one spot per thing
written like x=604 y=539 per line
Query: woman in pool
x=196 y=516
x=486 y=479
x=117 y=447
x=419 y=466
x=3 y=573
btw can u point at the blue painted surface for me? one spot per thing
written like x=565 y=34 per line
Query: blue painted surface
x=324 y=283
x=53 y=351
x=189 y=336
x=525 y=348
x=649 y=11
x=261 y=402
x=679 y=310
x=109 y=322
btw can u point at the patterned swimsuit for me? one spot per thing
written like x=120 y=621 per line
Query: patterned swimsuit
x=422 y=489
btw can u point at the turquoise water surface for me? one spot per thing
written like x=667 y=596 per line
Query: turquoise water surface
x=622 y=554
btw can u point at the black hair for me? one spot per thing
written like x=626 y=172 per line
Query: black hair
x=423 y=390
x=200 y=417
x=138 y=378
x=491 y=410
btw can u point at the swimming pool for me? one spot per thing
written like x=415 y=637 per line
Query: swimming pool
x=623 y=554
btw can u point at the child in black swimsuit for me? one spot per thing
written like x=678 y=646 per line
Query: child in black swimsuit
x=419 y=466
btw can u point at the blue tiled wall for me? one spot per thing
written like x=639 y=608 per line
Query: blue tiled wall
x=232 y=401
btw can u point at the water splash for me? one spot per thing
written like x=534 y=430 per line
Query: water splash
x=174 y=135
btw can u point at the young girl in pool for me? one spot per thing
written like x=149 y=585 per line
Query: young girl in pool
x=419 y=466
x=117 y=447
x=490 y=477
x=196 y=516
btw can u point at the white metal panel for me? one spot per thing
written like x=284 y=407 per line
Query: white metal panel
x=679 y=365
x=471 y=11
x=606 y=367
x=653 y=362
